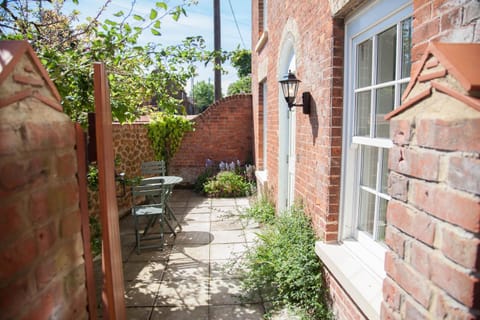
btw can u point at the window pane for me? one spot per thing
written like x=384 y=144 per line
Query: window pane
x=384 y=177
x=386 y=50
x=385 y=104
x=364 y=64
x=406 y=47
x=363 y=113
x=368 y=174
x=381 y=223
x=367 y=211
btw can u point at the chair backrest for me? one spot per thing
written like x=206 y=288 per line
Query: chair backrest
x=153 y=189
x=147 y=190
x=156 y=168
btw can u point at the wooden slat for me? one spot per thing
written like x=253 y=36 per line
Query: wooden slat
x=82 y=188
x=113 y=291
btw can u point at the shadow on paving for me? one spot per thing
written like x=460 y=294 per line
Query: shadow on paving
x=196 y=275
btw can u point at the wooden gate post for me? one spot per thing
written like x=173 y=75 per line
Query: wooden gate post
x=113 y=289
x=82 y=188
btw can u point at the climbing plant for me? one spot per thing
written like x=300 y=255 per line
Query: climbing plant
x=166 y=132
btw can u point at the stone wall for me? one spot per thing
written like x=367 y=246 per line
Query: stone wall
x=223 y=132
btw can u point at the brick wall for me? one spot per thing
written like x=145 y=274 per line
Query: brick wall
x=446 y=21
x=434 y=215
x=318 y=43
x=342 y=304
x=42 y=273
x=223 y=132
x=319 y=62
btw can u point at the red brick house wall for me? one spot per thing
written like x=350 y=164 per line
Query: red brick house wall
x=318 y=139
x=319 y=51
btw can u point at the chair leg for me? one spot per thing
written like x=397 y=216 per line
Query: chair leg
x=142 y=235
x=137 y=236
x=171 y=215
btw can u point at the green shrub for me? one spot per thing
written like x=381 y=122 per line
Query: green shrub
x=284 y=268
x=262 y=211
x=202 y=178
x=95 y=235
x=227 y=184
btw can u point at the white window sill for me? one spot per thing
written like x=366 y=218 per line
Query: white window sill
x=261 y=42
x=261 y=176
x=359 y=272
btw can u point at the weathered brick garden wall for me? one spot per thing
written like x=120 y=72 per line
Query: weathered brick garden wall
x=434 y=216
x=223 y=132
x=42 y=270
x=443 y=20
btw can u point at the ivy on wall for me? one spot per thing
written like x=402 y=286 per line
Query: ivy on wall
x=166 y=132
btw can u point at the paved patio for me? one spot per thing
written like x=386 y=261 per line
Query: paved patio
x=193 y=277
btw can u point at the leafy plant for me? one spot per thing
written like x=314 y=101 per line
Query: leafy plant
x=262 y=211
x=92 y=177
x=227 y=184
x=242 y=85
x=242 y=61
x=136 y=73
x=166 y=132
x=95 y=235
x=203 y=178
x=203 y=93
x=283 y=266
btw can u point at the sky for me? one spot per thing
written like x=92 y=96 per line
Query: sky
x=198 y=22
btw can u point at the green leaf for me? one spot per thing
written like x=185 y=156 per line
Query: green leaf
x=155 y=32
x=175 y=15
x=162 y=5
x=138 y=18
x=157 y=24
x=110 y=22
x=153 y=14
x=119 y=13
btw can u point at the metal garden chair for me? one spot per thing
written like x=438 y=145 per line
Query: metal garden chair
x=158 y=169
x=153 y=168
x=146 y=215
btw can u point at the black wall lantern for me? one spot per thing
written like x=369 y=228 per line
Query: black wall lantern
x=290 y=87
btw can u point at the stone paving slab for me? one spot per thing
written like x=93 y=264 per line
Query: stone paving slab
x=196 y=274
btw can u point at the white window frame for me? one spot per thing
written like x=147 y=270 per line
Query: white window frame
x=369 y=21
x=356 y=261
x=265 y=123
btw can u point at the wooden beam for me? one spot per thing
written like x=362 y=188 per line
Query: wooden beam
x=218 y=49
x=113 y=289
x=83 y=195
